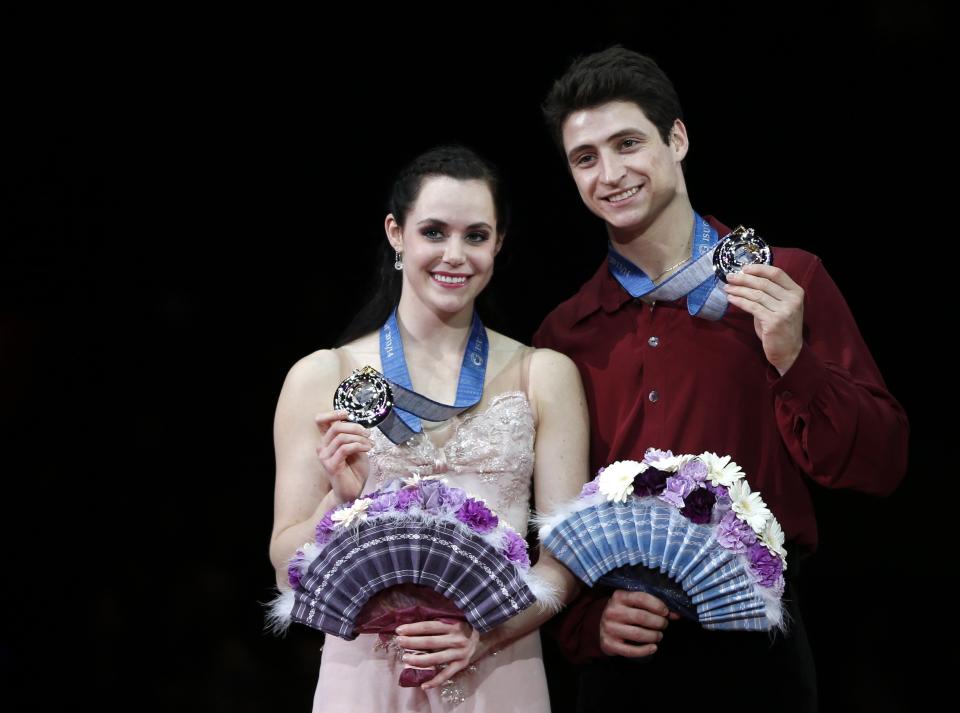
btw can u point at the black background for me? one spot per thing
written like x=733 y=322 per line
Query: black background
x=189 y=205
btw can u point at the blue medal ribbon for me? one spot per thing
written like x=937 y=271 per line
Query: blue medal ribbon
x=697 y=280
x=409 y=406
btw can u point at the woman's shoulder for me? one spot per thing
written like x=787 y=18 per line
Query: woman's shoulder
x=504 y=344
x=548 y=365
x=315 y=377
x=543 y=361
x=336 y=362
x=314 y=373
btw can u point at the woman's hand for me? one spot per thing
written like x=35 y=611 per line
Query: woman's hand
x=343 y=453
x=456 y=645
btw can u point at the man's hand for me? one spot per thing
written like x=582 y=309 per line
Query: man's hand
x=776 y=303
x=632 y=623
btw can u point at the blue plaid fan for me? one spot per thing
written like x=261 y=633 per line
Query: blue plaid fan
x=686 y=529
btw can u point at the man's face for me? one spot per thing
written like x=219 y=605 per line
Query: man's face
x=624 y=171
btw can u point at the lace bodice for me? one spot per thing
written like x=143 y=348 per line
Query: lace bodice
x=488 y=453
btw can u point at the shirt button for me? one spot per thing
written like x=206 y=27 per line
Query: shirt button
x=653 y=396
x=654 y=341
x=786 y=395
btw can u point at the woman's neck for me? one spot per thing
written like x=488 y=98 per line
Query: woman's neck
x=427 y=334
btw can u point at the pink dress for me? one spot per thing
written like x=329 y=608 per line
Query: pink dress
x=488 y=453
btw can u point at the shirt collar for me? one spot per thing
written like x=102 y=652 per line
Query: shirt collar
x=602 y=291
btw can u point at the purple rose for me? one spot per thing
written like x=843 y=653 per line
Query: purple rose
x=650 y=482
x=590 y=488
x=766 y=565
x=694 y=469
x=407 y=498
x=734 y=534
x=439 y=499
x=698 y=506
x=325 y=528
x=476 y=516
x=654 y=454
x=516 y=550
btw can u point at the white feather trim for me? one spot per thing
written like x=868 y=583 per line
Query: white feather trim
x=776 y=614
x=547 y=593
x=545 y=523
x=279 y=610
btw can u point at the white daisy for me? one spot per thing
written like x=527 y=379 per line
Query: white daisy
x=749 y=506
x=670 y=464
x=616 y=480
x=772 y=537
x=721 y=471
x=357 y=511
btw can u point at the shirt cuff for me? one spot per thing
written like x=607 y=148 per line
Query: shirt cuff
x=802 y=382
x=578 y=630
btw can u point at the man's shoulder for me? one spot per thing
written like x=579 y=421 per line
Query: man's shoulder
x=796 y=262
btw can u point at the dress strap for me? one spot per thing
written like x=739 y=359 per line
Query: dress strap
x=525 y=371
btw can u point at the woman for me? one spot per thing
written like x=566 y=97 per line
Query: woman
x=446 y=225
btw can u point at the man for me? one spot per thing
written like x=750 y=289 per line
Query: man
x=782 y=382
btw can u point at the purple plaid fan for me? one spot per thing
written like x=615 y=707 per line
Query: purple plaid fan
x=358 y=563
x=409 y=552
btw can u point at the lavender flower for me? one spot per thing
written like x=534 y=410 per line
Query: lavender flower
x=652 y=455
x=439 y=499
x=407 y=498
x=766 y=565
x=383 y=502
x=293 y=569
x=734 y=534
x=325 y=528
x=516 y=549
x=590 y=488
x=699 y=506
x=694 y=469
x=678 y=488
x=477 y=516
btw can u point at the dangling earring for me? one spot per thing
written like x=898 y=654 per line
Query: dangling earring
x=398 y=262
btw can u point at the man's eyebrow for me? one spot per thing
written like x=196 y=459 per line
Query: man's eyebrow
x=629 y=131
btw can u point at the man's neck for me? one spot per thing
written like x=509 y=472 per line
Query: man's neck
x=664 y=245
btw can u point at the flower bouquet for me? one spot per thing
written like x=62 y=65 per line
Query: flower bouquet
x=413 y=551
x=685 y=528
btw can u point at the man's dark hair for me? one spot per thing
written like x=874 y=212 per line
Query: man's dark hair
x=615 y=74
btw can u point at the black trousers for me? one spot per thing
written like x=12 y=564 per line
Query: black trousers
x=699 y=670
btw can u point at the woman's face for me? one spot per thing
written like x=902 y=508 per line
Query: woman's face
x=448 y=240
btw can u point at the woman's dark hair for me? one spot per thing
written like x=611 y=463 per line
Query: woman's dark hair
x=615 y=74
x=453 y=161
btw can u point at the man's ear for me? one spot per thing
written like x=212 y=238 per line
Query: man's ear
x=679 y=142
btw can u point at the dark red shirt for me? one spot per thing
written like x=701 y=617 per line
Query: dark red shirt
x=656 y=376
